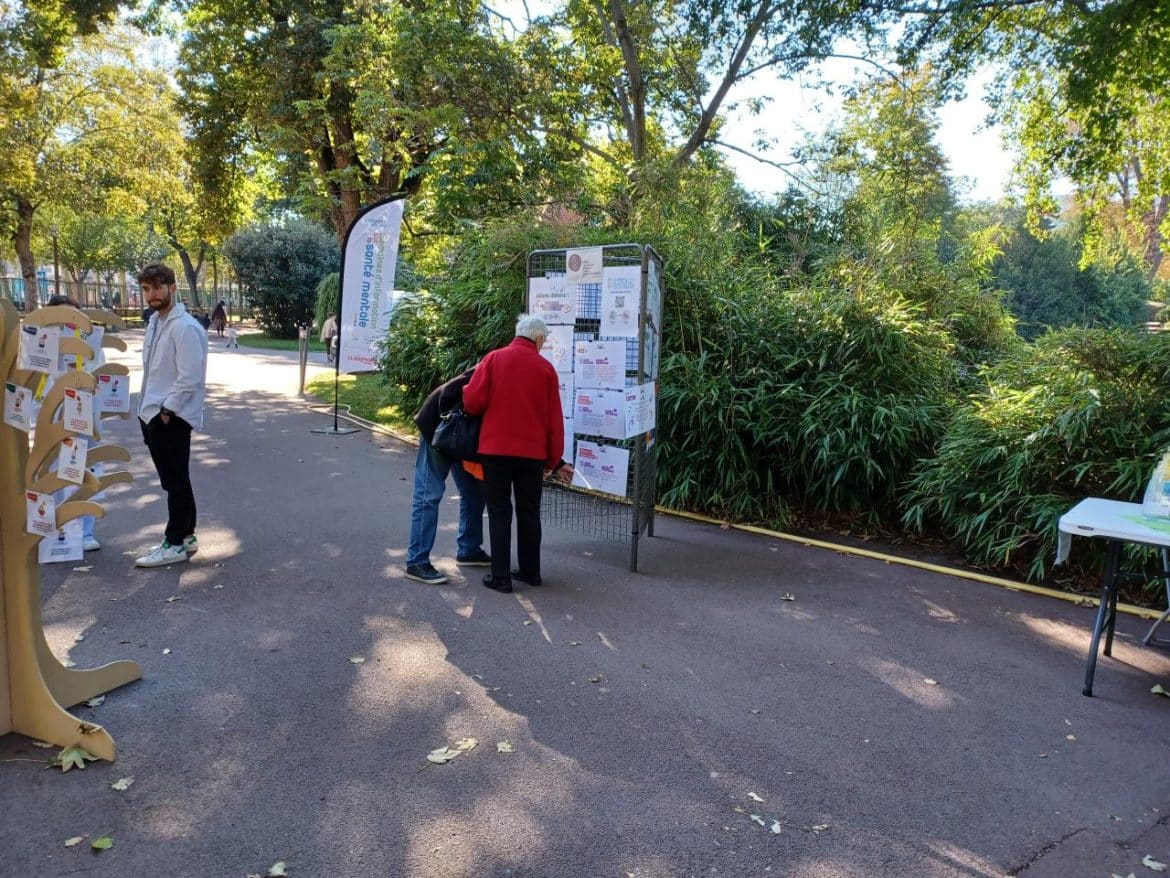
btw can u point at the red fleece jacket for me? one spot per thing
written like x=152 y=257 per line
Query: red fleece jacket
x=515 y=389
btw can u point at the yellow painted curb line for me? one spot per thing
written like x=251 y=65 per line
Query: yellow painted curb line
x=1010 y=585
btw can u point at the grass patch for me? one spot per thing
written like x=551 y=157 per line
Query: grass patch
x=259 y=340
x=367 y=397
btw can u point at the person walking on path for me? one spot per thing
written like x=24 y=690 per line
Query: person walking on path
x=515 y=389
x=430 y=479
x=219 y=318
x=328 y=333
x=170 y=406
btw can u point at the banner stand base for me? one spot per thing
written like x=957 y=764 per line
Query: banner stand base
x=336 y=431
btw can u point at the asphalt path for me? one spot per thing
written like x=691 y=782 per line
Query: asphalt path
x=741 y=706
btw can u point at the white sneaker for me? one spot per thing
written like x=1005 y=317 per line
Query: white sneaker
x=191 y=544
x=161 y=556
x=90 y=544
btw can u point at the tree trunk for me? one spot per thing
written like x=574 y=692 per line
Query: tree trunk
x=191 y=271
x=22 y=241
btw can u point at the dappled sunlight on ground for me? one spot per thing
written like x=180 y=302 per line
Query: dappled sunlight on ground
x=909 y=683
x=942 y=614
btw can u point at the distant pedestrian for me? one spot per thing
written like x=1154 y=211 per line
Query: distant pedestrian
x=329 y=332
x=517 y=392
x=219 y=318
x=170 y=406
x=430 y=480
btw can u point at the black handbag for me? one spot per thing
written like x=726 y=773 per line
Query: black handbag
x=457 y=436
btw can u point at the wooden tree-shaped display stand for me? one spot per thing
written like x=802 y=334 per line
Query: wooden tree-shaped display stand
x=35 y=688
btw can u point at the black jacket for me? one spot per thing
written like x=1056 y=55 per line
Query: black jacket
x=442 y=399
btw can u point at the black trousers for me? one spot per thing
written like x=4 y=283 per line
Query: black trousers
x=170 y=449
x=503 y=479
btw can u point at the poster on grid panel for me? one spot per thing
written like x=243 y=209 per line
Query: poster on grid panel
x=368 y=262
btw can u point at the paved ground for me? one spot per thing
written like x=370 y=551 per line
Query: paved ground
x=650 y=715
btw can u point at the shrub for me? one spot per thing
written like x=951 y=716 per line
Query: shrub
x=1081 y=412
x=281 y=266
x=814 y=399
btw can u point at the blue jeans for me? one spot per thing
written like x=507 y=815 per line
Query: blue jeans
x=430 y=479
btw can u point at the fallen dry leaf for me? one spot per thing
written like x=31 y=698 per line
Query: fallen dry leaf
x=167 y=651
x=1070 y=737
x=526 y=622
x=788 y=596
x=77 y=839
x=83 y=569
x=754 y=797
x=357 y=659
x=173 y=598
x=122 y=784
x=820 y=827
x=776 y=827
x=69 y=663
x=929 y=682
x=756 y=818
x=463 y=745
x=72 y=757
x=597 y=678
x=1152 y=864
x=442 y=755
x=277 y=870
x=102 y=844
x=503 y=747
x=573 y=642
x=96 y=701
x=1157 y=689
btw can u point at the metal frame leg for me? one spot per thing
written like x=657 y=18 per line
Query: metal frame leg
x=1150 y=638
x=1106 y=614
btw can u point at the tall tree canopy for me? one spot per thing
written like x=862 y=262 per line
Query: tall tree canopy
x=75 y=134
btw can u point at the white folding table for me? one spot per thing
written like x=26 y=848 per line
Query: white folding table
x=1117 y=523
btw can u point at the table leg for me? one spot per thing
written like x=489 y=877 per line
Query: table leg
x=1106 y=612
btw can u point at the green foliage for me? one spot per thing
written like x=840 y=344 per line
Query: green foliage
x=1080 y=413
x=1048 y=288
x=328 y=299
x=813 y=398
x=281 y=267
x=469 y=307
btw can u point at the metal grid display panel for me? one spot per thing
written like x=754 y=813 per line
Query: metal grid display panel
x=590 y=513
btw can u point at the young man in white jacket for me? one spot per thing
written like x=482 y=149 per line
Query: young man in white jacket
x=170 y=406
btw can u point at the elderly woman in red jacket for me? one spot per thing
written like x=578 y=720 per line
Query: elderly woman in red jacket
x=515 y=390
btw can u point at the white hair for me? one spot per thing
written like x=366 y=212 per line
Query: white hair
x=532 y=327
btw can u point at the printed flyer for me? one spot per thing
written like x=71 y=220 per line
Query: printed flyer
x=565 y=386
x=113 y=394
x=71 y=459
x=550 y=299
x=600 y=413
x=601 y=467
x=19 y=408
x=600 y=364
x=640 y=408
x=583 y=266
x=40 y=514
x=39 y=346
x=78 y=411
x=558 y=348
x=567 y=454
x=63 y=545
x=620 y=301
